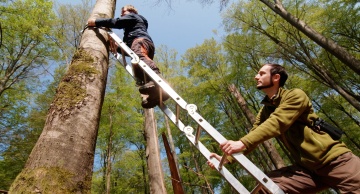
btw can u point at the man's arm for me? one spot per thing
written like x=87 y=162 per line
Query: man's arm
x=118 y=23
x=229 y=147
x=293 y=104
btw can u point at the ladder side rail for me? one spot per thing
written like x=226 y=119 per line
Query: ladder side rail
x=234 y=182
x=134 y=58
x=121 y=56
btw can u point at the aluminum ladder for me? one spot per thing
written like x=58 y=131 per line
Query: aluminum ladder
x=181 y=104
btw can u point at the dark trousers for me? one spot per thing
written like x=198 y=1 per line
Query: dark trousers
x=145 y=49
x=343 y=173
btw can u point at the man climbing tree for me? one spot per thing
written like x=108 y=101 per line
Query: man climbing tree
x=138 y=39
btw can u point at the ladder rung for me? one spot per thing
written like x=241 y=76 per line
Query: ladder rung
x=197 y=136
x=221 y=164
x=256 y=189
x=177 y=113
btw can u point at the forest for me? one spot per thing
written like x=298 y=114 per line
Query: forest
x=70 y=115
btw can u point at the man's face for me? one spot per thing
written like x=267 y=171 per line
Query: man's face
x=264 y=78
x=124 y=12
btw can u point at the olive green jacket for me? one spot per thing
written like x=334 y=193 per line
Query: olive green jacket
x=289 y=116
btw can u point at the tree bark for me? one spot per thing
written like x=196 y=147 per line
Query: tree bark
x=173 y=162
x=171 y=142
x=339 y=52
x=269 y=147
x=156 y=176
x=62 y=159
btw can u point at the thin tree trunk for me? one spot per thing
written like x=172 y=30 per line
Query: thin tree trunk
x=143 y=168
x=171 y=142
x=173 y=162
x=156 y=176
x=352 y=98
x=109 y=153
x=62 y=159
x=174 y=171
x=339 y=52
x=269 y=147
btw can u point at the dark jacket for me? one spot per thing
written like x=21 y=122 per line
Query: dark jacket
x=134 y=25
x=289 y=116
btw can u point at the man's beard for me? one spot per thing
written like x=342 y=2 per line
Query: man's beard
x=271 y=84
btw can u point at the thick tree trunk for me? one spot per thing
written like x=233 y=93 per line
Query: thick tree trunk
x=269 y=147
x=328 y=44
x=62 y=159
x=156 y=176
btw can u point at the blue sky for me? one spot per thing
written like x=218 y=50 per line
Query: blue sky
x=185 y=25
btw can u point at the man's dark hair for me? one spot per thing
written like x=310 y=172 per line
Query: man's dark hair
x=278 y=69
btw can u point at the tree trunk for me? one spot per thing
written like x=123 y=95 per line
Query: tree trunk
x=328 y=44
x=269 y=147
x=171 y=142
x=109 y=153
x=174 y=171
x=156 y=176
x=62 y=159
x=173 y=162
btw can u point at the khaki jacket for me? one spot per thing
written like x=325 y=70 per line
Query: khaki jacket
x=289 y=116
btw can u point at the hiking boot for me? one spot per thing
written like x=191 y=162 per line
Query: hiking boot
x=147 y=88
x=150 y=86
x=152 y=100
x=148 y=102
